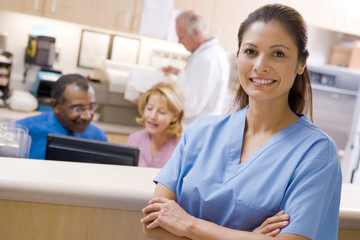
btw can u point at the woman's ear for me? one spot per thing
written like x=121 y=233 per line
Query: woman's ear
x=301 y=68
x=175 y=117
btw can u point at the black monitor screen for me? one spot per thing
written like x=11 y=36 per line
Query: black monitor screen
x=75 y=149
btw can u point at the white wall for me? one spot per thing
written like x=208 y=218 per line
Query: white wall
x=18 y=27
x=68 y=35
x=319 y=45
x=320 y=42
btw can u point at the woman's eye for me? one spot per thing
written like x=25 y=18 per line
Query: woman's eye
x=249 y=51
x=279 y=54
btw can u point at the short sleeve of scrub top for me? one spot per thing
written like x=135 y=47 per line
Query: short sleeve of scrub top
x=297 y=171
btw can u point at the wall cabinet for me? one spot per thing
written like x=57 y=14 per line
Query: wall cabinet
x=113 y=14
x=33 y=7
x=341 y=16
x=224 y=17
x=119 y=15
x=312 y=15
x=67 y=10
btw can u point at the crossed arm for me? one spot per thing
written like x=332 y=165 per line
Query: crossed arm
x=165 y=219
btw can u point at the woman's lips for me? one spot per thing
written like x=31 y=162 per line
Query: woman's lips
x=262 y=80
x=152 y=125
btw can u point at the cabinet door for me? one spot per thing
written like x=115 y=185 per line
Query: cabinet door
x=321 y=13
x=229 y=14
x=68 y=10
x=24 y=6
x=136 y=18
x=341 y=16
x=113 y=14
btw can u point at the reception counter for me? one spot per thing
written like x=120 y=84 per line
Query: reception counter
x=42 y=199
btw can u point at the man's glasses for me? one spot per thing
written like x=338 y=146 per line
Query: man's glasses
x=79 y=109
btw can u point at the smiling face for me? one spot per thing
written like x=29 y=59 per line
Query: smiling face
x=268 y=62
x=68 y=113
x=157 y=115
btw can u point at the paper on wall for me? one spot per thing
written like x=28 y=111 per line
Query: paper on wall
x=156 y=18
x=142 y=79
x=117 y=80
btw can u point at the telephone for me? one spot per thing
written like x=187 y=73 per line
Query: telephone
x=40 y=51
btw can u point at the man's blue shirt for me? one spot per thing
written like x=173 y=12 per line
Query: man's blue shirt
x=41 y=125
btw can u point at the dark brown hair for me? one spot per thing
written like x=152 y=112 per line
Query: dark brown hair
x=300 y=96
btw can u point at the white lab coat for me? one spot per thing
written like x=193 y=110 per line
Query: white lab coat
x=205 y=81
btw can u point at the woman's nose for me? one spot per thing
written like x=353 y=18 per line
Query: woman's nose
x=153 y=114
x=261 y=64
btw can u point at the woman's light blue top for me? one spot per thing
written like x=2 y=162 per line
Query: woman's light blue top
x=296 y=170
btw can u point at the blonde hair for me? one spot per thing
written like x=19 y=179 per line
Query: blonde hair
x=171 y=94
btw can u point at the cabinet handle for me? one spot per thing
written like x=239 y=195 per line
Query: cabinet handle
x=36 y=4
x=53 y=6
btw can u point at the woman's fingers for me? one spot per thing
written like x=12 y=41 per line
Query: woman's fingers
x=280 y=213
x=152 y=211
x=272 y=225
x=150 y=220
x=158 y=200
x=279 y=217
x=269 y=229
x=165 y=213
x=152 y=207
x=274 y=233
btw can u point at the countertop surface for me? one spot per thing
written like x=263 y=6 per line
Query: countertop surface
x=78 y=184
x=350 y=206
x=107 y=127
x=108 y=186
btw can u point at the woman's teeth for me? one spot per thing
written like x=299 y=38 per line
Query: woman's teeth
x=262 y=81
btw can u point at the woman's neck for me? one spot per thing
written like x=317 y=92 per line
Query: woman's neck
x=267 y=118
x=156 y=142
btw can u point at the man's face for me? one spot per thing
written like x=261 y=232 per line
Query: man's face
x=77 y=111
x=189 y=41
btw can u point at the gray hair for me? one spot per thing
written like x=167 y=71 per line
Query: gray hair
x=193 y=21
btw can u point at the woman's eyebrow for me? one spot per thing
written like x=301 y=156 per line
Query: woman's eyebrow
x=280 y=45
x=251 y=44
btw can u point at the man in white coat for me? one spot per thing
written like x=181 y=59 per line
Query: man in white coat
x=205 y=77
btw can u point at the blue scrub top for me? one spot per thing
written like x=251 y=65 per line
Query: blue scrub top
x=297 y=170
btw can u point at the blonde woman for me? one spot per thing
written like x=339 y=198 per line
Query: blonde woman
x=161 y=110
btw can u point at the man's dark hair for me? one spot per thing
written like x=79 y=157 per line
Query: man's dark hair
x=58 y=88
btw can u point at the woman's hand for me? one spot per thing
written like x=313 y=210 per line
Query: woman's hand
x=274 y=224
x=165 y=213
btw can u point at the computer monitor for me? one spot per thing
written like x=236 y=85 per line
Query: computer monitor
x=75 y=149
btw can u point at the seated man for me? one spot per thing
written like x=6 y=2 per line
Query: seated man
x=73 y=105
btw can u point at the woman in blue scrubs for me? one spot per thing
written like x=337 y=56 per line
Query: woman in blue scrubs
x=230 y=173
